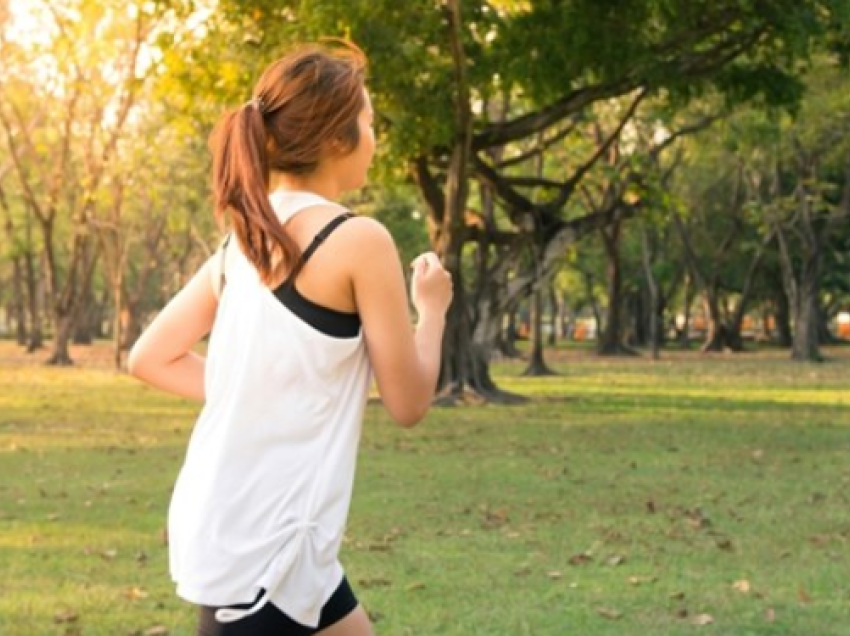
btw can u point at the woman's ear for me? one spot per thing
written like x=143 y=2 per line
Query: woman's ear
x=331 y=149
x=337 y=147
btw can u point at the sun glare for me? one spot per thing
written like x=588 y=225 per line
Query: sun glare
x=29 y=23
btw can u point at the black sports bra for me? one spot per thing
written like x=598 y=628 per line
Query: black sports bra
x=332 y=322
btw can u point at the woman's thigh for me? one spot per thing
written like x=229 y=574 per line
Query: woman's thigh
x=354 y=624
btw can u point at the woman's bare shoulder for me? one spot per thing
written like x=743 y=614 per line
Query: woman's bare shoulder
x=365 y=235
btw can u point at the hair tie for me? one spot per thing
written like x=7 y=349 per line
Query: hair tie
x=257 y=103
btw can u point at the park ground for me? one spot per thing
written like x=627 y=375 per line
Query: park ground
x=694 y=495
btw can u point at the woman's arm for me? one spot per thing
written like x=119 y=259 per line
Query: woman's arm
x=406 y=362
x=163 y=356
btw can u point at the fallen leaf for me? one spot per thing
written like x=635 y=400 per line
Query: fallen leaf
x=65 y=616
x=375 y=582
x=804 y=596
x=495 y=518
x=702 y=620
x=580 y=559
x=742 y=586
x=157 y=630
x=109 y=554
x=135 y=593
x=641 y=580
x=616 y=560
x=770 y=615
x=554 y=574
x=697 y=519
x=379 y=547
x=610 y=614
x=725 y=544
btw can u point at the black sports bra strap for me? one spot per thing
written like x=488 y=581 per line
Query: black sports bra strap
x=222 y=279
x=324 y=233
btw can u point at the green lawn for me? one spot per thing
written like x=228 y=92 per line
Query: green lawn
x=627 y=498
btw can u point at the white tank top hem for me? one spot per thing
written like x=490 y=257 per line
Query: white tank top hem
x=261 y=501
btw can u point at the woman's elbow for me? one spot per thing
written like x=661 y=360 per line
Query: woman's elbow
x=136 y=363
x=407 y=416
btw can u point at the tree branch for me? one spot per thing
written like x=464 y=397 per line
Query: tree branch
x=500 y=185
x=430 y=189
x=527 y=125
x=569 y=186
x=21 y=170
x=539 y=149
x=533 y=182
x=689 y=65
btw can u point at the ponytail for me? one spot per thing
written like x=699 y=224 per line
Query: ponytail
x=240 y=182
x=303 y=103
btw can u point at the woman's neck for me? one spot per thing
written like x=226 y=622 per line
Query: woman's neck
x=315 y=183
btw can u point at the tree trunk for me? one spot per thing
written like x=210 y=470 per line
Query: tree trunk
x=563 y=322
x=554 y=328
x=18 y=307
x=117 y=321
x=448 y=220
x=715 y=337
x=61 y=356
x=508 y=336
x=84 y=328
x=131 y=324
x=70 y=303
x=35 y=340
x=611 y=340
x=591 y=299
x=734 y=338
x=485 y=336
x=638 y=303
x=766 y=327
x=785 y=335
x=652 y=285
x=536 y=364
x=805 y=346
x=23 y=272
x=685 y=328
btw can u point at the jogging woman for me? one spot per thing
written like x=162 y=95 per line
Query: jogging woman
x=304 y=303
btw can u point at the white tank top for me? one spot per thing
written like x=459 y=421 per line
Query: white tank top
x=262 y=499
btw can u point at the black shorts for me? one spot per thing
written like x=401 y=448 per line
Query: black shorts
x=270 y=621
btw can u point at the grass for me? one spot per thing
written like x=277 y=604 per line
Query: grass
x=689 y=496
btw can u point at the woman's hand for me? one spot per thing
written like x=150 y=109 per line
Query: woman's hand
x=431 y=286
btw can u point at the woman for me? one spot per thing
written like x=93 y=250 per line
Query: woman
x=304 y=306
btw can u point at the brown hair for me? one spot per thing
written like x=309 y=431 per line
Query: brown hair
x=303 y=103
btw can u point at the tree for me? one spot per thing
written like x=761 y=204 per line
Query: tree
x=438 y=65
x=785 y=177
x=67 y=101
x=722 y=247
